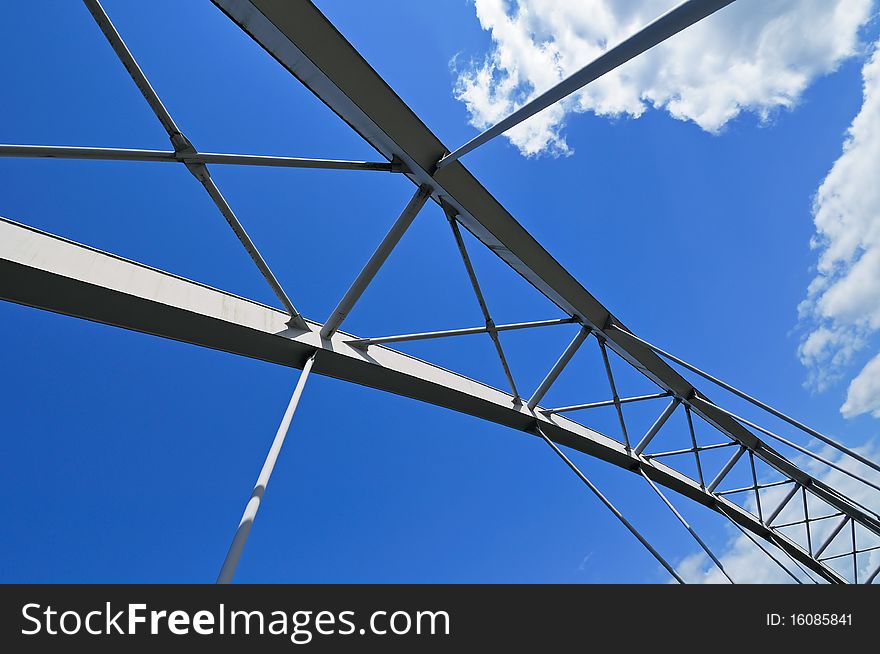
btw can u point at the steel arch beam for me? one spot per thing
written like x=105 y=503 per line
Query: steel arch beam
x=301 y=38
x=48 y=272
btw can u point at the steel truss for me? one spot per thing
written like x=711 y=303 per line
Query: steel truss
x=55 y=274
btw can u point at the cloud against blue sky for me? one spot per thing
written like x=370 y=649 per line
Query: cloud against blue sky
x=756 y=57
x=751 y=56
x=843 y=301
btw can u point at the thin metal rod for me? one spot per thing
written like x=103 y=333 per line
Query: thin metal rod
x=468 y=265
x=796 y=423
x=755 y=486
x=227 y=571
x=558 y=367
x=76 y=152
x=392 y=238
x=799 y=448
x=128 y=154
x=762 y=548
x=751 y=488
x=614 y=396
x=667 y=25
x=421 y=336
x=125 y=56
x=840 y=556
x=837 y=529
x=481 y=300
x=298 y=162
x=690 y=423
x=184 y=148
x=596 y=405
x=782 y=504
x=685 y=524
x=609 y=505
x=855 y=553
x=725 y=470
x=807 y=521
x=714 y=446
x=800 y=522
x=658 y=423
x=239 y=230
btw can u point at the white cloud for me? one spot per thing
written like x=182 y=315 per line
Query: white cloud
x=843 y=300
x=863 y=395
x=747 y=564
x=754 y=55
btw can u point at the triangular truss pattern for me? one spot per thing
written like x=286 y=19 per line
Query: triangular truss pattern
x=736 y=473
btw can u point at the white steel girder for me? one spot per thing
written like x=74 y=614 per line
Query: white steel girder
x=48 y=272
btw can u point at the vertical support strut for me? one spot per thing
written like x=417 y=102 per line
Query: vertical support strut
x=837 y=529
x=782 y=504
x=481 y=300
x=727 y=468
x=392 y=238
x=558 y=367
x=690 y=421
x=614 y=396
x=755 y=486
x=661 y=420
x=807 y=521
x=250 y=511
x=609 y=505
x=855 y=553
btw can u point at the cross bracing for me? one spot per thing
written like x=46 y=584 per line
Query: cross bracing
x=55 y=274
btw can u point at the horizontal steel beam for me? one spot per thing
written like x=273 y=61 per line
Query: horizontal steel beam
x=170 y=156
x=596 y=405
x=704 y=448
x=51 y=273
x=467 y=331
x=840 y=556
x=751 y=489
x=805 y=521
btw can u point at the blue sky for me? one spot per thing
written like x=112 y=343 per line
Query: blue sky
x=128 y=458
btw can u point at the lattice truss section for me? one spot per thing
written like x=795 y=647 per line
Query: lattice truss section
x=691 y=445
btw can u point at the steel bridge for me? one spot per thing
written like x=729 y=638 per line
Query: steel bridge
x=48 y=272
